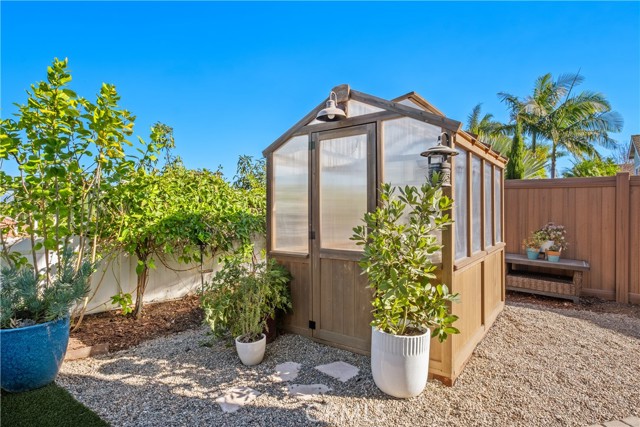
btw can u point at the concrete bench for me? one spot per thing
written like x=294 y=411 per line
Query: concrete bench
x=548 y=281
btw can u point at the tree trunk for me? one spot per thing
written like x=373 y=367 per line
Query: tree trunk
x=533 y=142
x=140 y=288
x=553 y=159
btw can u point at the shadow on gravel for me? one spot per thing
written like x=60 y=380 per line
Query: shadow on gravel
x=156 y=404
x=620 y=323
x=164 y=383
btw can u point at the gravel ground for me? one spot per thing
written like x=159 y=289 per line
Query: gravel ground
x=537 y=366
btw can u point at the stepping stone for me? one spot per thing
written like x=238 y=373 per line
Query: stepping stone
x=341 y=371
x=287 y=371
x=236 y=398
x=615 y=423
x=307 y=391
x=632 y=421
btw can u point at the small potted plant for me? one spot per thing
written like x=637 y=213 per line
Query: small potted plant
x=409 y=307
x=553 y=253
x=557 y=235
x=533 y=243
x=240 y=299
x=34 y=318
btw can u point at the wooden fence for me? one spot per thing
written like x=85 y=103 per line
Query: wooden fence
x=602 y=218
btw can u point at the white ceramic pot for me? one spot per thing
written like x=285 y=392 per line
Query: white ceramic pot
x=251 y=353
x=546 y=245
x=400 y=364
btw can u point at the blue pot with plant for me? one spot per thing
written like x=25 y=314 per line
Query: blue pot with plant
x=35 y=321
x=532 y=244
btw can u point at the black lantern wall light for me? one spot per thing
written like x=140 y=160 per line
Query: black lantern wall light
x=438 y=160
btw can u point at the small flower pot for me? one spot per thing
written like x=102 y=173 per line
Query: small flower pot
x=251 y=353
x=532 y=253
x=553 y=256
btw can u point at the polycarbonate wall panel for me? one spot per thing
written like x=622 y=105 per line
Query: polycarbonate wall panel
x=290 y=207
x=488 y=206
x=476 y=204
x=410 y=103
x=403 y=141
x=460 y=200
x=343 y=190
x=497 y=188
x=357 y=108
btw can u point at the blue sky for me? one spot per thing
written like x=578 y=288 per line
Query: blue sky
x=232 y=77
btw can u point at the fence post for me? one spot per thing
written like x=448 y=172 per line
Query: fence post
x=622 y=237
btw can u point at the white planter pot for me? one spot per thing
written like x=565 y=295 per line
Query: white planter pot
x=546 y=245
x=400 y=364
x=251 y=353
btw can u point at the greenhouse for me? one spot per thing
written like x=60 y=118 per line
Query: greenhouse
x=323 y=175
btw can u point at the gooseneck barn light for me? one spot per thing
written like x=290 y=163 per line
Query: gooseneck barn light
x=331 y=112
x=438 y=158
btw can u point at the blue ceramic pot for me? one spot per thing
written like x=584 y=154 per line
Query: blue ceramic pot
x=553 y=258
x=532 y=253
x=30 y=357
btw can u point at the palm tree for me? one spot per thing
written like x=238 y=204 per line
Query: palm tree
x=485 y=126
x=569 y=122
x=496 y=135
x=532 y=110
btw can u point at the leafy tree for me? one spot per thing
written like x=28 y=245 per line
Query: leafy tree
x=188 y=213
x=250 y=173
x=515 y=167
x=66 y=149
x=593 y=167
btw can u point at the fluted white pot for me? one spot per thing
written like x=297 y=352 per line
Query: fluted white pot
x=251 y=353
x=400 y=364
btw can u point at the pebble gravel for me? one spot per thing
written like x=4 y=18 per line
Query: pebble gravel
x=537 y=366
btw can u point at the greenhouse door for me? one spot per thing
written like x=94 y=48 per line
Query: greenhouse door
x=343 y=189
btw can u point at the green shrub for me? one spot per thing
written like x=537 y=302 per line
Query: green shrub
x=28 y=299
x=399 y=241
x=241 y=296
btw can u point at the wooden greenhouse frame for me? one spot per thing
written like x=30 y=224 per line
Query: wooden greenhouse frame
x=321 y=175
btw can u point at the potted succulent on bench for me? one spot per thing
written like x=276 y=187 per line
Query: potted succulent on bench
x=408 y=307
x=533 y=243
x=240 y=299
x=557 y=235
x=34 y=321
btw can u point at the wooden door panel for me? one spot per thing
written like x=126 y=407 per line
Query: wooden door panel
x=341 y=300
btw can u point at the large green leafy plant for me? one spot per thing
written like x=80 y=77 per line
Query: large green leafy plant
x=242 y=295
x=70 y=155
x=27 y=300
x=399 y=240
x=191 y=214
